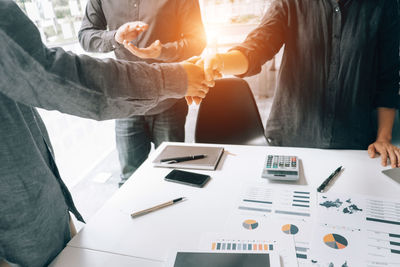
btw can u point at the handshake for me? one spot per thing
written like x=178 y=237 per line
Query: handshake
x=201 y=72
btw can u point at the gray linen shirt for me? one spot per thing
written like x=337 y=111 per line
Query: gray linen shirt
x=340 y=62
x=34 y=202
x=176 y=23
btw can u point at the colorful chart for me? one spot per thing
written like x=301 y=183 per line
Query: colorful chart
x=250 y=224
x=290 y=229
x=242 y=245
x=335 y=241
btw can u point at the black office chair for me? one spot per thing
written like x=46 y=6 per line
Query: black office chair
x=396 y=130
x=229 y=115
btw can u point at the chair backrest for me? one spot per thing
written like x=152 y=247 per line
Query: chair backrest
x=229 y=115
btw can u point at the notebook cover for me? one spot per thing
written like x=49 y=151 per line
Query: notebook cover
x=210 y=162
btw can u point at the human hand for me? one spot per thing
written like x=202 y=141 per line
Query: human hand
x=197 y=89
x=197 y=60
x=130 y=31
x=386 y=150
x=213 y=65
x=152 y=51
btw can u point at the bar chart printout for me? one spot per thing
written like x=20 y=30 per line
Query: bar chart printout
x=250 y=243
x=295 y=202
x=383 y=232
x=291 y=207
x=241 y=245
x=383 y=212
x=257 y=199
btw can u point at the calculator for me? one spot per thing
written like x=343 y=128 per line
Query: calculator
x=279 y=167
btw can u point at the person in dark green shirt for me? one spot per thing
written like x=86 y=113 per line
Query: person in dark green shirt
x=339 y=73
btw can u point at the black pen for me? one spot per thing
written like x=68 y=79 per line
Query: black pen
x=180 y=159
x=326 y=182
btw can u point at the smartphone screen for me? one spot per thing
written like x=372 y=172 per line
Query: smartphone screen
x=188 y=178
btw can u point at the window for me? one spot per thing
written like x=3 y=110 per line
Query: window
x=79 y=143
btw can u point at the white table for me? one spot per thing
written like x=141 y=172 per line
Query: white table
x=80 y=257
x=152 y=236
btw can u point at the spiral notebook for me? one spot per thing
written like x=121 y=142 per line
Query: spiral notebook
x=209 y=162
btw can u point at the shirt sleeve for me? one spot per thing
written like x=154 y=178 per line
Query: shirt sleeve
x=193 y=37
x=387 y=94
x=54 y=79
x=267 y=39
x=93 y=35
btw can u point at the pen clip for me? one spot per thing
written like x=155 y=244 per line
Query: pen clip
x=170 y=161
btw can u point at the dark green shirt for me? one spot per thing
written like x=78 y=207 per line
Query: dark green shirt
x=340 y=62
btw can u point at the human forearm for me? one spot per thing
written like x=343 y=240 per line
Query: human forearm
x=383 y=145
x=97 y=40
x=93 y=35
x=182 y=49
x=385 y=123
x=84 y=86
x=233 y=62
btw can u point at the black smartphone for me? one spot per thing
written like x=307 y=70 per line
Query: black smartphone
x=187 y=178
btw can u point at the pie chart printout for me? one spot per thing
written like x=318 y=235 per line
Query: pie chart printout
x=290 y=229
x=335 y=241
x=250 y=224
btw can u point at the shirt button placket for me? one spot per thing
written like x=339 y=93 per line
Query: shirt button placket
x=135 y=15
x=334 y=71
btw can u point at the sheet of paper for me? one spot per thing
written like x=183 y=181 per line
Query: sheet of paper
x=356 y=230
x=251 y=243
x=290 y=207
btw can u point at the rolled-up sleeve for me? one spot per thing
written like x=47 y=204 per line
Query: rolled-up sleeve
x=94 y=35
x=265 y=41
x=387 y=94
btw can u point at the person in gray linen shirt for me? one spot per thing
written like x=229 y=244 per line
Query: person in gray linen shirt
x=34 y=201
x=174 y=32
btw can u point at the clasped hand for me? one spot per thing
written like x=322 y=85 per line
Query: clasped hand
x=201 y=74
